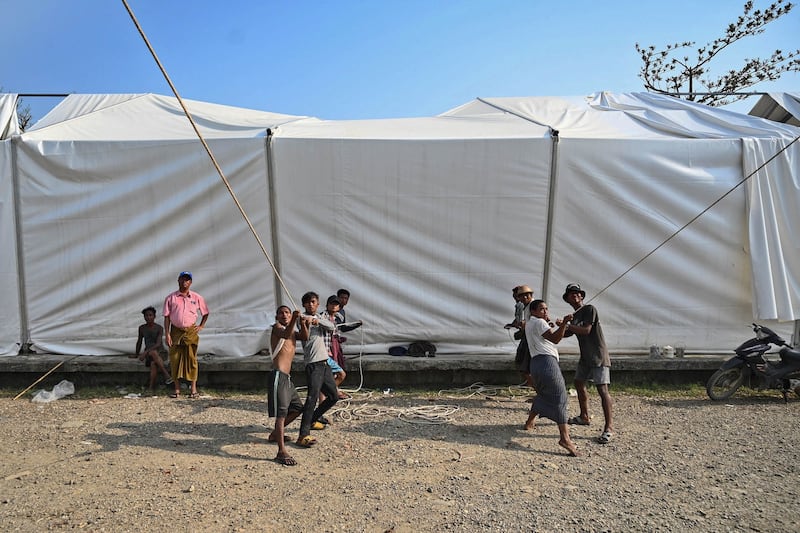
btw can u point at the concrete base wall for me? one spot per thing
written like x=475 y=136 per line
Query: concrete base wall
x=378 y=371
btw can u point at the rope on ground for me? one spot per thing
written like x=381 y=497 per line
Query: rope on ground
x=362 y=404
x=346 y=410
x=479 y=389
x=359 y=406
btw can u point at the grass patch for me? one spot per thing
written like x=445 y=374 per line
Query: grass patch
x=691 y=390
x=649 y=390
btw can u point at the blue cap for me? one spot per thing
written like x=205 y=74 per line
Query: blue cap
x=185 y=273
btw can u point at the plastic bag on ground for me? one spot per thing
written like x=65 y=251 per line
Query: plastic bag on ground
x=65 y=388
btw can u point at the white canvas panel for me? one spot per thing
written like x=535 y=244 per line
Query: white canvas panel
x=773 y=195
x=625 y=116
x=76 y=105
x=789 y=101
x=9 y=123
x=616 y=202
x=572 y=117
x=108 y=227
x=433 y=128
x=128 y=117
x=682 y=118
x=10 y=320
x=429 y=236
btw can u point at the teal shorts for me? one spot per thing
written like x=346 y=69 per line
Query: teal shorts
x=335 y=368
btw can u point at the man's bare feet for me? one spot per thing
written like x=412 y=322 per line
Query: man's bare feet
x=570 y=447
x=531 y=422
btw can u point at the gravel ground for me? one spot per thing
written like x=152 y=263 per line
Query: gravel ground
x=398 y=462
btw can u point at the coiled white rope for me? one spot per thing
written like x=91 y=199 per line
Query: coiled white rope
x=492 y=392
x=431 y=414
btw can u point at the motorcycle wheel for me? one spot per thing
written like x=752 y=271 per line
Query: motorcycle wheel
x=724 y=383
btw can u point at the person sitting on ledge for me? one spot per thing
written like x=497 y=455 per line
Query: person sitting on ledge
x=152 y=334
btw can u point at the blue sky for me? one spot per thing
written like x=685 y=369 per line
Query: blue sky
x=353 y=59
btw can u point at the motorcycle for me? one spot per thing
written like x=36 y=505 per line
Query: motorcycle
x=750 y=367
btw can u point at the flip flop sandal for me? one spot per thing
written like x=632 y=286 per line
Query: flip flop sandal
x=194 y=395
x=174 y=395
x=285 y=460
x=306 y=442
x=577 y=421
x=605 y=438
x=319 y=426
x=286 y=438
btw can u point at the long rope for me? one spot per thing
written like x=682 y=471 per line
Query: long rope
x=208 y=151
x=429 y=414
x=360 y=364
x=703 y=212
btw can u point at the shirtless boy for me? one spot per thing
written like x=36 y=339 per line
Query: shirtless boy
x=283 y=402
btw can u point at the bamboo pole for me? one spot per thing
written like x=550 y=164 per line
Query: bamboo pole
x=41 y=378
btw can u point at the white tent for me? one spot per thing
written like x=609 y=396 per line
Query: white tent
x=429 y=221
x=117 y=195
x=780 y=107
x=542 y=191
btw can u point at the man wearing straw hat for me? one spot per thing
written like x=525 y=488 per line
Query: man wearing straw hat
x=524 y=296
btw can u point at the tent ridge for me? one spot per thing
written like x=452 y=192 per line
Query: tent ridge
x=519 y=115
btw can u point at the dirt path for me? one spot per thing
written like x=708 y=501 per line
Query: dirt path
x=155 y=464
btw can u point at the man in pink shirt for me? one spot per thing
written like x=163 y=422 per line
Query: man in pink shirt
x=181 y=309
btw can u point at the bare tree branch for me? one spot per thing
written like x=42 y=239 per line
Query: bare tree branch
x=24 y=116
x=665 y=73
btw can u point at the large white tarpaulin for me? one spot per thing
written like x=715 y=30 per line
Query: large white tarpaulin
x=107 y=227
x=789 y=101
x=150 y=117
x=9 y=124
x=429 y=222
x=118 y=196
x=10 y=316
x=780 y=107
x=10 y=319
x=617 y=202
x=774 y=217
x=633 y=170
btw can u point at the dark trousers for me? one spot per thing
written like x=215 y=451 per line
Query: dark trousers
x=318 y=378
x=523 y=357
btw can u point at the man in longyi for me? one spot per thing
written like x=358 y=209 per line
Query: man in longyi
x=181 y=310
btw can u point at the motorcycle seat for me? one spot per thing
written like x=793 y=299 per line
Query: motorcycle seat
x=790 y=356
